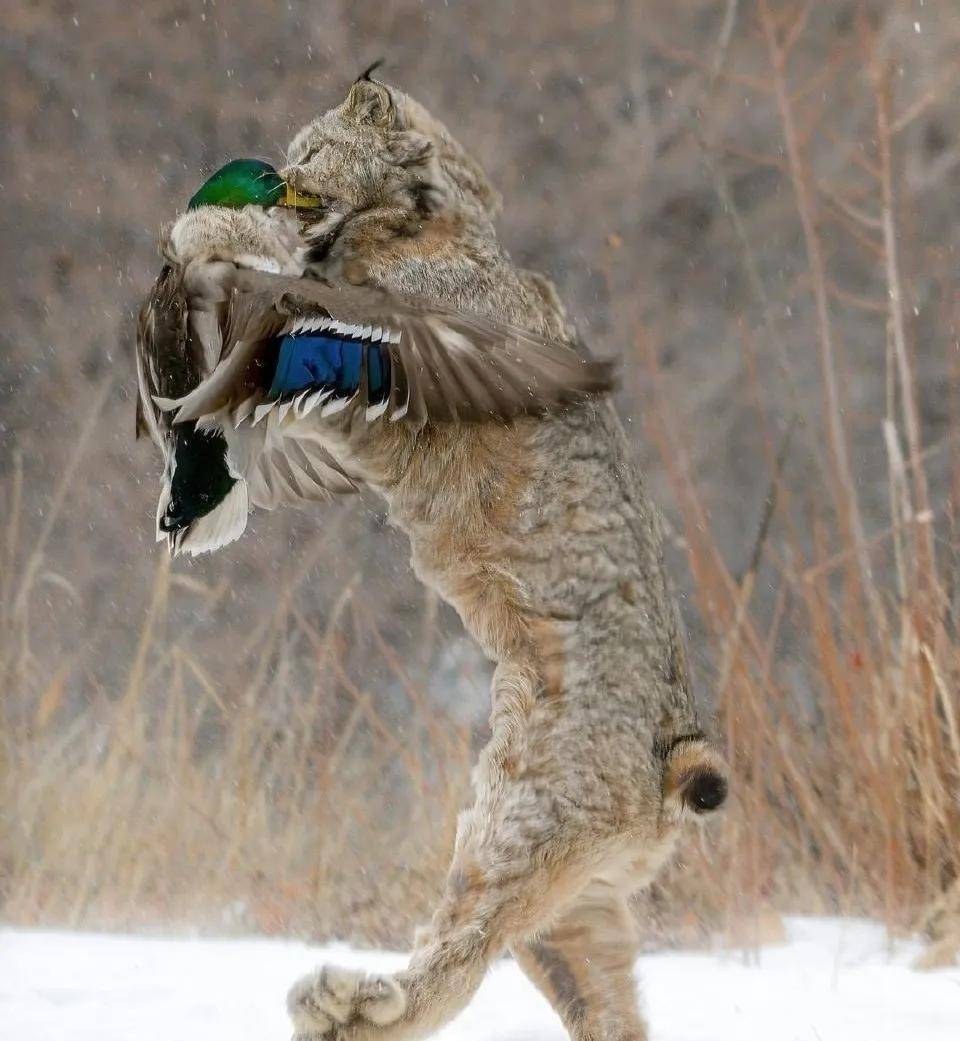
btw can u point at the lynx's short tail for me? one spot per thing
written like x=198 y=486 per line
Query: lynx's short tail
x=694 y=778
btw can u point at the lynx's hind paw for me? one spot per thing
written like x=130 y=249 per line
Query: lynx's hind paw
x=336 y=1003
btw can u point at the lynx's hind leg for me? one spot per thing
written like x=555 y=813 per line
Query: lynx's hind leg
x=523 y=854
x=584 y=965
x=514 y=869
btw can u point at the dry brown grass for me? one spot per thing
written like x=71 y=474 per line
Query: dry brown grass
x=846 y=750
x=282 y=795
x=277 y=798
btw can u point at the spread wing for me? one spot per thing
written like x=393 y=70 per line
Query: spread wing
x=303 y=344
x=179 y=343
x=287 y=463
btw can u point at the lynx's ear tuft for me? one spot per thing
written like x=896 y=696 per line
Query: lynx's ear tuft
x=370 y=69
x=694 y=778
x=370 y=102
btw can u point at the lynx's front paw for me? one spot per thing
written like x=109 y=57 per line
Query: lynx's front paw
x=334 y=1003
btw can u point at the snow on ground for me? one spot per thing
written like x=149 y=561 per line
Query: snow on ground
x=834 y=980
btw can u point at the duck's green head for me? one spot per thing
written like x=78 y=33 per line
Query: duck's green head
x=248 y=182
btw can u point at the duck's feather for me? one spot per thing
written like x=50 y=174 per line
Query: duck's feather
x=286 y=463
x=165 y=361
x=272 y=361
x=442 y=365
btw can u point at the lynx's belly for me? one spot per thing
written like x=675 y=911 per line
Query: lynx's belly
x=540 y=536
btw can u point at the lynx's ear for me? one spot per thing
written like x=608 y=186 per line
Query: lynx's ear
x=370 y=102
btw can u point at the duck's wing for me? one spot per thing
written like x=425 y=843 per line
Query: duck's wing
x=303 y=344
x=183 y=324
x=179 y=337
x=165 y=363
x=287 y=463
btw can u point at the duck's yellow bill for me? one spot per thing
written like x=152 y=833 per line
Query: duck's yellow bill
x=300 y=202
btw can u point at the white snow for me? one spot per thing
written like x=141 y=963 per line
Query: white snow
x=833 y=980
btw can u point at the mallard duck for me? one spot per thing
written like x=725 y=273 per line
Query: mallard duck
x=248 y=372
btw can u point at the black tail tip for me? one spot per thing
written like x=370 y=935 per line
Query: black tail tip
x=705 y=791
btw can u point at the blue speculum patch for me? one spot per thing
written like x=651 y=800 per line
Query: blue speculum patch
x=318 y=360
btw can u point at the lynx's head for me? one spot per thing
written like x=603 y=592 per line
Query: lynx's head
x=381 y=147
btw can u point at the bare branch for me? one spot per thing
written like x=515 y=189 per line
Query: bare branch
x=793 y=34
x=853 y=212
x=911 y=418
x=931 y=97
x=845 y=495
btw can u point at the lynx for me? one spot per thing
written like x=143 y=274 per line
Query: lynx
x=538 y=531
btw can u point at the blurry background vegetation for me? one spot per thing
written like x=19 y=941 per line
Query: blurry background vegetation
x=753 y=203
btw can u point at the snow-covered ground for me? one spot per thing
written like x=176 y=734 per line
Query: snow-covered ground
x=831 y=981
